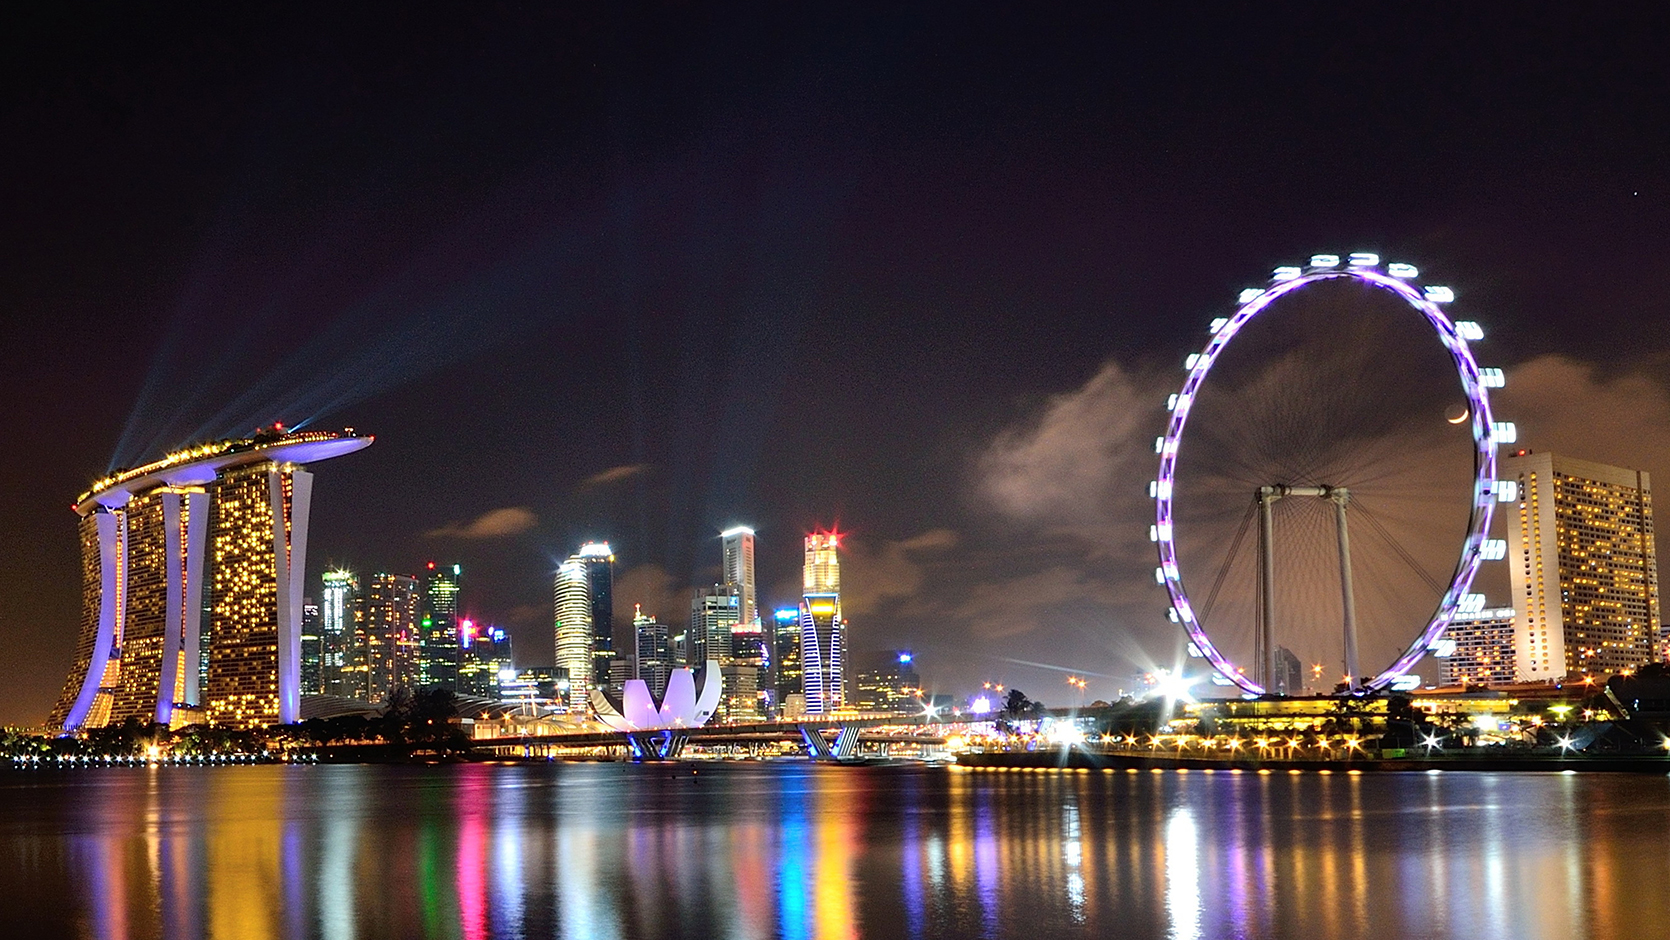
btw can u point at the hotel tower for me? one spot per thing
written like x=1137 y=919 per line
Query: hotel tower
x=192 y=579
x=1584 y=570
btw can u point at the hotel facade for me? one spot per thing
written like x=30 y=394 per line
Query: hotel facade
x=192 y=581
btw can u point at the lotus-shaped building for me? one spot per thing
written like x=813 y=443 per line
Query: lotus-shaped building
x=657 y=731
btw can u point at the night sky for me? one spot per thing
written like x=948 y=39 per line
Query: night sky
x=927 y=273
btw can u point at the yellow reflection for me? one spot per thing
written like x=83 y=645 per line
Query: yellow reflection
x=242 y=848
x=835 y=914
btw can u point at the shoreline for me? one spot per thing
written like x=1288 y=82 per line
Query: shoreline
x=1080 y=759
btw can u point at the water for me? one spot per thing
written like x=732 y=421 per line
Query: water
x=801 y=851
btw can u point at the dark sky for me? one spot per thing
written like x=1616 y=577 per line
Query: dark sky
x=925 y=271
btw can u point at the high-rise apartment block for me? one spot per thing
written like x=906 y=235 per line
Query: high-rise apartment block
x=192 y=584
x=438 y=639
x=1583 y=567
x=823 y=632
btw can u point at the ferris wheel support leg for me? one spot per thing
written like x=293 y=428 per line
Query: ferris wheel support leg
x=1341 y=497
x=1267 y=496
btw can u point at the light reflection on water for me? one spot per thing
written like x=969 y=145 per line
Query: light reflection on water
x=824 y=853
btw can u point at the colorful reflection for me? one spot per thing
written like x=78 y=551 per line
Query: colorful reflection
x=824 y=853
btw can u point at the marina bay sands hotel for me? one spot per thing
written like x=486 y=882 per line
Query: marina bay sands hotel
x=192 y=569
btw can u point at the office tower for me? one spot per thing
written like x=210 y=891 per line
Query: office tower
x=599 y=561
x=1483 y=651
x=221 y=525
x=484 y=659
x=336 y=631
x=439 y=636
x=738 y=552
x=1290 y=673
x=786 y=676
x=823 y=634
x=571 y=602
x=822 y=571
x=313 y=652
x=889 y=683
x=1583 y=567
x=653 y=654
x=742 y=697
x=385 y=653
x=713 y=612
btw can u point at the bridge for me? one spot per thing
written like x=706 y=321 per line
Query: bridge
x=822 y=738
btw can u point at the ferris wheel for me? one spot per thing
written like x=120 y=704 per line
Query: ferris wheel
x=1311 y=443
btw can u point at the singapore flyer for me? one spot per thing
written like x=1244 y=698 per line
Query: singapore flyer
x=1327 y=480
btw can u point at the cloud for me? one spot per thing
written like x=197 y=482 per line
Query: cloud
x=1064 y=464
x=1576 y=409
x=616 y=474
x=494 y=524
x=651 y=586
x=872 y=576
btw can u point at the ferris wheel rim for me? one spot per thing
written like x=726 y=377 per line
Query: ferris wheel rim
x=1424 y=300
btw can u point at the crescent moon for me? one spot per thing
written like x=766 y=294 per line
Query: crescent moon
x=1465 y=413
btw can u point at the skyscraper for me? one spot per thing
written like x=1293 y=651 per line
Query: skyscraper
x=313 y=651
x=599 y=561
x=336 y=630
x=221 y=525
x=571 y=603
x=1583 y=567
x=823 y=634
x=439 y=637
x=738 y=550
x=787 y=678
x=653 y=660
x=889 y=684
x=386 y=647
x=484 y=658
x=713 y=612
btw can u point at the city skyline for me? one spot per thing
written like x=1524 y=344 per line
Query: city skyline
x=927 y=276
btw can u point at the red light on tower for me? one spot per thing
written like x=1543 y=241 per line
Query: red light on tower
x=431 y=566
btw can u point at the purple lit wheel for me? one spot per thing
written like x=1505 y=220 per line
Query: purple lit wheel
x=1475 y=383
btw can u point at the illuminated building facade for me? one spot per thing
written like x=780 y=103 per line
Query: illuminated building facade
x=823 y=633
x=738 y=552
x=789 y=696
x=440 y=640
x=599 y=562
x=571 y=601
x=336 y=631
x=1583 y=567
x=386 y=636
x=890 y=684
x=1484 y=649
x=217 y=529
x=653 y=660
x=714 y=614
x=313 y=651
x=484 y=659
